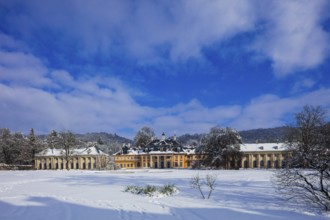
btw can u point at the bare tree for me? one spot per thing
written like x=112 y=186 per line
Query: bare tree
x=144 y=136
x=197 y=183
x=307 y=174
x=210 y=182
x=67 y=140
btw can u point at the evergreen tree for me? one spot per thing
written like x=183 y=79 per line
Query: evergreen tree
x=9 y=146
x=221 y=148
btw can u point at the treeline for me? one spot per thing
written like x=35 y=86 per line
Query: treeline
x=15 y=148
x=19 y=149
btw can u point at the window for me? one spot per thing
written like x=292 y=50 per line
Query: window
x=269 y=164
x=262 y=164
x=245 y=164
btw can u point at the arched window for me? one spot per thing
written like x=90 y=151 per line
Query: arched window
x=262 y=164
x=269 y=164
x=246 y=165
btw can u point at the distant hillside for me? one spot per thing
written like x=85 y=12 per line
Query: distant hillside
x=190 y=139
x=261 y=135
x=109 y=143
x=264 y=135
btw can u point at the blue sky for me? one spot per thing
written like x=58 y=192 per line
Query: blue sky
x=176 y=66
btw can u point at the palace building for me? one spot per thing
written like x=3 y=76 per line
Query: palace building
x=88 y=158
x=264 y=155
x=168 y=153
x=163 y=153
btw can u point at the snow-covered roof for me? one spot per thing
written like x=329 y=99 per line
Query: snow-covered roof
x=139 y=152
x=258 y=147
x=74 y=152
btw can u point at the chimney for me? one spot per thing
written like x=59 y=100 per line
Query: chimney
x=163 y=136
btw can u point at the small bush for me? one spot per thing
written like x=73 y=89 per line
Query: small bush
x=149 y=190
x=168 y=189
x=134 y=189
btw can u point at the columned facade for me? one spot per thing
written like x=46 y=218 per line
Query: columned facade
x=86 y=158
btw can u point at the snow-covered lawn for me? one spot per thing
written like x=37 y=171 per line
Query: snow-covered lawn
x=99 y=195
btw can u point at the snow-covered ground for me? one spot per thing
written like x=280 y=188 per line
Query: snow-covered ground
x=99 y=195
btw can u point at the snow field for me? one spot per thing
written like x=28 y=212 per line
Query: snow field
x=99 y=195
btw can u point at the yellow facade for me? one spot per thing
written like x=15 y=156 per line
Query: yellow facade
x=161 y=160
x=265 y=159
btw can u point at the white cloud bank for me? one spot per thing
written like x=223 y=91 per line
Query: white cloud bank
x=31 y=95
x=291 y=36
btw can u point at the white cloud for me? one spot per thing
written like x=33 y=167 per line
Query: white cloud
x=303 y=84
x=271 y=111
x=19 y=67
x=294 y=38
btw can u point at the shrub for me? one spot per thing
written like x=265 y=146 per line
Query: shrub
x=168 y=189
x=149 y=190
x=134 y=189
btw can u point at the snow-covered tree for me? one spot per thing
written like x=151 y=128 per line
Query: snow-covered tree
x=144 y=136
x=220 y=148
x=67 y=141
x=52 y=139
x=34 y=145
x=7 y=147
x=309 y=148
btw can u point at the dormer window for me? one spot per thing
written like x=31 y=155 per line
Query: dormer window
x=261 y=147
x=275 y=147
